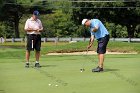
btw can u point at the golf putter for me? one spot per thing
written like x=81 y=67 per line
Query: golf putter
x=82 y=69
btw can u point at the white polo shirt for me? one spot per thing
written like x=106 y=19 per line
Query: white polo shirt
x=33 y=24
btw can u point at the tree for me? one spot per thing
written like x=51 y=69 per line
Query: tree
x=12 y=11
x=59 y=23
x=123 y=13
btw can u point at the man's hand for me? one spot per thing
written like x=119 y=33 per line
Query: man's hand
x=39 y=30
x=94 y=29
x=89 y=46
x=90 y=42
x=29 y=29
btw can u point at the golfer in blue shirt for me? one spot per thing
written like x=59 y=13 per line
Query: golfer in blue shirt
x=98 y=31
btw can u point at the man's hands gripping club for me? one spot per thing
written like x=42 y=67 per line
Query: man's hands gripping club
x=90 y=42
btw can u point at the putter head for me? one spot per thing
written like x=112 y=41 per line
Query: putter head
x=87 y=51
x=82 y=69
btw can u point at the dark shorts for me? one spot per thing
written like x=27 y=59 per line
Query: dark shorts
x=102 y=44
x=33 y=42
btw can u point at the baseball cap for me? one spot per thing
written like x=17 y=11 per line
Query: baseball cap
x=83 y=21
x=36 y=13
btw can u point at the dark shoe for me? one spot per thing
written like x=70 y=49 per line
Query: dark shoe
x=98 y=69
x=37 y=65
x=27 y=65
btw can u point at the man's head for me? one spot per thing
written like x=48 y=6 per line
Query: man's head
x=86 y=22
x=35 y=14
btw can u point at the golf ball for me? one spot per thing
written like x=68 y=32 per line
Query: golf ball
x=56 y=85
x=49 y=84
x=81 y=71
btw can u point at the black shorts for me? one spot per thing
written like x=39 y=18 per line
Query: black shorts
x=33 y=42
x=102 y=44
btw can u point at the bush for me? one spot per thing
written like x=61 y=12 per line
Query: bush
x=116 y=31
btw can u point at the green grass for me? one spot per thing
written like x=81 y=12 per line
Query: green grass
x=121 y=75
x=79 y=46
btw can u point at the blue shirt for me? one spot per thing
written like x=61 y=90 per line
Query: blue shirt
x=101 y=32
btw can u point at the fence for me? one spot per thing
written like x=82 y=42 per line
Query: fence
x=67 y=39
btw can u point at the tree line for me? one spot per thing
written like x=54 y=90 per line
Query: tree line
x=62 y=18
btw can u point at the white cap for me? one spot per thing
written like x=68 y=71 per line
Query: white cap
x=83 y=21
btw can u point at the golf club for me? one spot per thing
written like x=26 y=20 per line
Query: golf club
x=83 y=66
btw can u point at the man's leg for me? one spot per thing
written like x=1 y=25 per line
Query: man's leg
x=100 y=50
x=27 y=55
x=27 y=58
x=28 y=49
x=101 y=60
x=37 y=48
x=37 y=55
x=100 y=63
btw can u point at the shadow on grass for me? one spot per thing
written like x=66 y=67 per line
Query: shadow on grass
x=108 y=70
x=48 y=65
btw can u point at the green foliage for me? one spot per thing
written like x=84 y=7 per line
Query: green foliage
x=108 y=12
x=12 y=11
x=2 y=30
x=58 y=24
x=61 y=19
x=121 y=32
x=11 y=14
x=137 y=32
x=116 y=30
x=6 y=30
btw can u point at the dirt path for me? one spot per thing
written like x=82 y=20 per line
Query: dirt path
x=89 y=53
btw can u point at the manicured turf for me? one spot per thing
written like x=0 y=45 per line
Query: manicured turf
x=121 y=75
x=67 y=47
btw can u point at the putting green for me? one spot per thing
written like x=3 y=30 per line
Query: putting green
x=121 y=75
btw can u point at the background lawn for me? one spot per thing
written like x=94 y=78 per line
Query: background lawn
x=121 y=73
